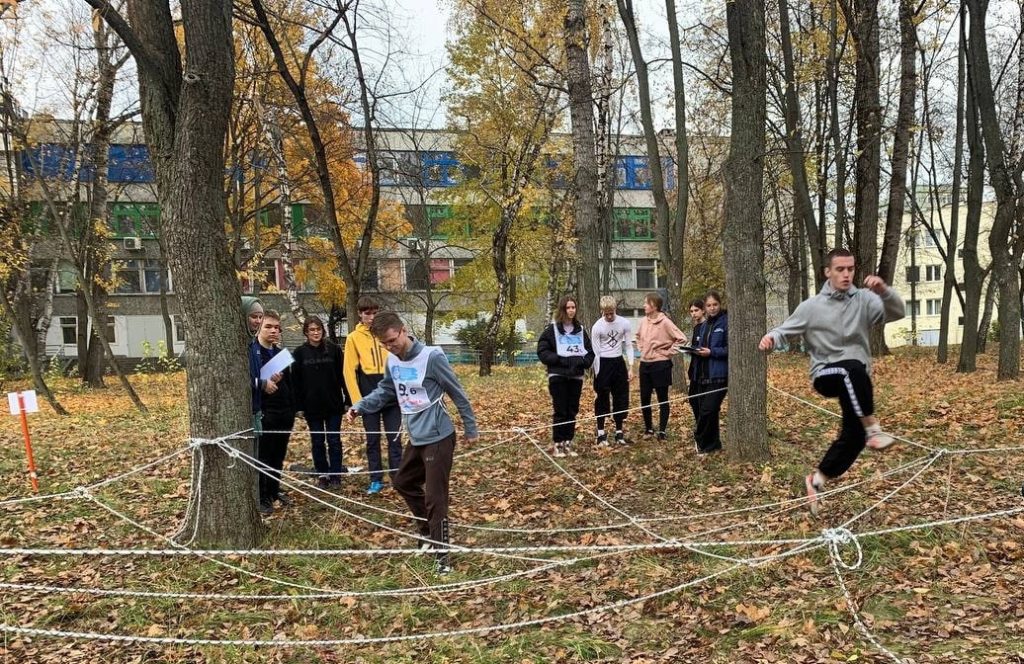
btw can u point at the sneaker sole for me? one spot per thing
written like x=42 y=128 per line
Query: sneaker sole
x=880 y=446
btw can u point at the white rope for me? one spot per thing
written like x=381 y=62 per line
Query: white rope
x=835 y=538
x=286 y=643
x=839 y=416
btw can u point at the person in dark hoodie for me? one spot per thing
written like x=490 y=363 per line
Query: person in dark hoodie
x=320 y=396
x=416 y=379
x=710 y=371
x=273 y=407
x=836 y=325
x=696 y=317
x=565 y=349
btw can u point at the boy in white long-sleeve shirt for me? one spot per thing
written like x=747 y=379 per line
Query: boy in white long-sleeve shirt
x=612 y=337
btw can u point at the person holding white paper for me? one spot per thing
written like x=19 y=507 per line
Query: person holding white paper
x=273 y=408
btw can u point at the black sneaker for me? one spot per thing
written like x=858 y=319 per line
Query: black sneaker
x=323 y=482
x=266 y=509
x=662 y=436
x=284 y=500
x=620 y=439
x=649 y=433
x=602 y=440
x=442 y=565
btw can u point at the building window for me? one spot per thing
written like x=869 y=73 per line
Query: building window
x=69 y=330
x=111 y=331
x=636 y=274
x=179 y=329
x=933 y=307
x=913 y=308
x=416 y=274
x=371 y=279
x=133 y=219
x=140 y=277
x=933 y=273
x=633 y=224
x=264 y=274
x=443 y=269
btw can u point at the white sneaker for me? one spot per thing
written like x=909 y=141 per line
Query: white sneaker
x=559 y=452
x=568 y=450
x=878 y=440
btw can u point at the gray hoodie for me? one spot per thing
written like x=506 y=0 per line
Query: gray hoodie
x=836 y=324
x=433 y=424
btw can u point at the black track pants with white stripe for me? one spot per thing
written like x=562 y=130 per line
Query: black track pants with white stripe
x=849 y=381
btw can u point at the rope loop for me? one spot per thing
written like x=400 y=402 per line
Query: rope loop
x=836 y=537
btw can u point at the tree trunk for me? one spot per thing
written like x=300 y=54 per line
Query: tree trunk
x=185 y=115
x=900 y=157
x=985 y=324
x=795 y=154
x=973 y=275
x=949 y=278
x=677 y=234
x=581 y=113
x=743 y=235
x=1004 y=271
x=835 y=131
x=24 y=335
x=863 y=19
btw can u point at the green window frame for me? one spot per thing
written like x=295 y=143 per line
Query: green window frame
x=133 y=219
x=267 y=218
x=633 y=224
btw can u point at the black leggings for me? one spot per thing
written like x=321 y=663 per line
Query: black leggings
x=565 y=402
x=849 y=381
x=655 y=377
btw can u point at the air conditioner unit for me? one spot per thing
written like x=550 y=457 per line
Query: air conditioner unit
x=132 y=243
x=413 y=243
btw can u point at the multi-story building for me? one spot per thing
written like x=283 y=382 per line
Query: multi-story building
x=419 y=169
x=920 y=270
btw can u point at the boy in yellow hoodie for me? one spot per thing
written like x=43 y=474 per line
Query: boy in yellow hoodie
x=365 y=359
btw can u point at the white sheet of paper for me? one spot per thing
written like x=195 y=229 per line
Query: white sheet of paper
x=278 y=363
x=31 y=402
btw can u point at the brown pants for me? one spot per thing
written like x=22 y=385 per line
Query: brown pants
x=422 y=479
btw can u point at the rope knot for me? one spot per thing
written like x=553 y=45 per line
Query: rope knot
x=836 y=537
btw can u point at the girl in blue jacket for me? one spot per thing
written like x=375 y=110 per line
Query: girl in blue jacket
x=710 y=372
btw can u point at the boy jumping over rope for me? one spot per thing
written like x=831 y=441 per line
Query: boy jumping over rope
x=836 y=324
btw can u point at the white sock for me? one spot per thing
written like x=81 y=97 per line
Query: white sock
x=818 y=480
x=600 y=432
x=874 y=428
x=618 y=433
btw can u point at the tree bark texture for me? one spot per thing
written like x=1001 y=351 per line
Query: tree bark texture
x=862 y=17
x=1004 y=270
x=581 y=113
x=185 y=114
x=743 y=233
x=949 y=278
x=795 y=154
x=973 y=276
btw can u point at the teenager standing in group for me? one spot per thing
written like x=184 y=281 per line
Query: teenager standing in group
x=365 y=360
x=565 y=350
x=836 y=325
x=417 y=378
x=657 y=339
x=710 y=371
x=273 y=408
x=612 y=336
x=318 y=380
x=696 y=317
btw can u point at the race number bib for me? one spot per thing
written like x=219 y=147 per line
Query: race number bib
x=408 y=378
x=569 y=345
